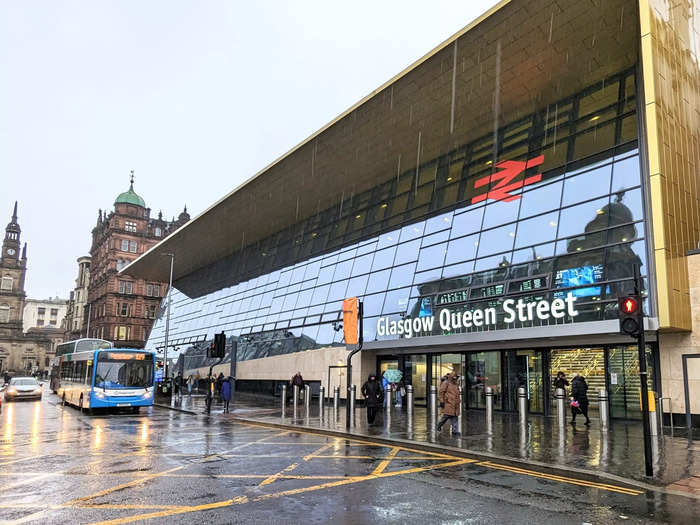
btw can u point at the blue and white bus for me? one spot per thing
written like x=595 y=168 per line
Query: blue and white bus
x=106 y=378
x=71 y=347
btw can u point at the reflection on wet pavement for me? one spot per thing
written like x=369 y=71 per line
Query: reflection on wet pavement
x=58 y=466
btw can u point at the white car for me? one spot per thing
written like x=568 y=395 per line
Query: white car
x=23 y=388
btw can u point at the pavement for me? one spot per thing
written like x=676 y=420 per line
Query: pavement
x=614 y=455
x=58 y=466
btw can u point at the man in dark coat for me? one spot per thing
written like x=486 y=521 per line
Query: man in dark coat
x=449 y=400
x=298 y=381
x=579 y=393
x=374 y=395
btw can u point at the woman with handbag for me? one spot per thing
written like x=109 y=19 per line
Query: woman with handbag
x=579 y=398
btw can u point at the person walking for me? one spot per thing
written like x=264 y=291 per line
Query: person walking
x=298 y=381
x=219 y=382
x=449 y=401
x=226 y=392
x=579 y=398
x=560 y=381
x=190 y=380
x=374 y=394
x=400 y=392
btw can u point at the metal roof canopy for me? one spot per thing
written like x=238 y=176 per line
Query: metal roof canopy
x=539 y=50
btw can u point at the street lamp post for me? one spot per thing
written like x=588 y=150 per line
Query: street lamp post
x=167 y=314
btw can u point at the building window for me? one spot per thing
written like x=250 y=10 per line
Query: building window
x=132 y=246
x=153 y=290
x=125 y=287
x=7 y=283
x=122 y=333
x=4 y=313
x=123 y=309
x=40 y=322
x=125 y=245
x=130 y=226
x=151 y=311
x=54 y=312
x=159 y=232
x=52 y=322
x=41 y=311
x=121 y=263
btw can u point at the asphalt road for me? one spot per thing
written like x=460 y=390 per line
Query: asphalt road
x=58 y=466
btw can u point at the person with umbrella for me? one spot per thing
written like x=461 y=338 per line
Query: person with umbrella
x=391 y=377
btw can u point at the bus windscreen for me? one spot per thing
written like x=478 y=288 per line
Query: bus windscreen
x=115 y=371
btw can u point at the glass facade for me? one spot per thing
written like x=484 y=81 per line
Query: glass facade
x=553 y=206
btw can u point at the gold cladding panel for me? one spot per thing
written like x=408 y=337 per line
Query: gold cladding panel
x=669 y=46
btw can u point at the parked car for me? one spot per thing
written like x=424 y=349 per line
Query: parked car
x=23 y=388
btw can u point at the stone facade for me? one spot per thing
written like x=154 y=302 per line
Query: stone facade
x=75 y=322
x=672 y=347
x=46 y=313
x=123 y=308
x=19 y=352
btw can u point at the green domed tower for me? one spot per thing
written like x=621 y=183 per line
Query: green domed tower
x=130 y=196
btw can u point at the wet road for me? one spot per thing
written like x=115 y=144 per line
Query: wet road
x=58 y=466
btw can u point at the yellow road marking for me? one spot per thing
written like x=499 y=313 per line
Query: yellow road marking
x=563 y=479
x=380 y=468
x=22 y=459
x=291 y=467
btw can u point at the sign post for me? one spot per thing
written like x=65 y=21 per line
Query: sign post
x=352 y=328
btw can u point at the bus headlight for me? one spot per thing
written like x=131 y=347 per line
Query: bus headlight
x=147 y=395
x=99 y=395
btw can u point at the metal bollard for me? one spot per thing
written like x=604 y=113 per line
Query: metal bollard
x=321 y=401
x=603 y=410
x=653 y=421
x=522 y=405
x=336 y=401
x=284 y=398
x=353 y=394
x=489 y=409
x=307 y=399
x=295 y=395
x=409 y=399
x=433 y=404
x=460 y=419
x=387 y=397
x=560 y=396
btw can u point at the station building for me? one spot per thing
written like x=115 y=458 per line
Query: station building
x=489 y=205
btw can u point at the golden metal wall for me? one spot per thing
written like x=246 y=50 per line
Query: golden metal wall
x=669 y=53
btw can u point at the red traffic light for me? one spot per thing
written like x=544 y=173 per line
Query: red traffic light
x=630 y=305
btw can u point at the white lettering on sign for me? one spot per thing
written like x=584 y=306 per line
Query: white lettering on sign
x=448 y=320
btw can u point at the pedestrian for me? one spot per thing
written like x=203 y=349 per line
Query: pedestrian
x=579 y=398
x=374 y=394
x=400 y=392
x=6 y=377
x=219 y=382
x=449 y=401
x=226 y=389
x=298 y=381
x=560 y=381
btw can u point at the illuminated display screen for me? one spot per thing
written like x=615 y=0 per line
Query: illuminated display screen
x=528 y=285
x=452 y=297
x=123 y=356
x=577 y=277
x=487 y=291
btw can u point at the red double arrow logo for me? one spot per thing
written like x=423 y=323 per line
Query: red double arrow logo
x=510 y=169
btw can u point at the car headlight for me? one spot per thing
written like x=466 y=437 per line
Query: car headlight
x=12 y=391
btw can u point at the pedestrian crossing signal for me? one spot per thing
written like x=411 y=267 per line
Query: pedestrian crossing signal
x=218 y=347
x=630 y=315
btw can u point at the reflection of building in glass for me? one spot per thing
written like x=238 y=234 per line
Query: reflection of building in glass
x=427 y=197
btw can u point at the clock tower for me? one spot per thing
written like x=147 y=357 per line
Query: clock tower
x=13 y=268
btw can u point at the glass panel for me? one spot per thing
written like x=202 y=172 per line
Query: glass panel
x=587 y=185
x=540 y=200
x=342 y=270
x=626 y=174
x=396 y=301
x=407 y=252
x=462 y=249
x=444 y=364
x=357 y=286
x=412 y=231
x=415 y=375
x=590 y=216
x=466 y=223
x=383 y=258
x=436 y=224
x=587 y=362
x=501 y=212
x=378 y=281
x=483 y=369
x=537 y=230
x=402 y=275
x=373 y=304
x=524 y=369
x=431 y=257
x=497 y=240
x=623 y=375
x=362 y=264
x=337 y=291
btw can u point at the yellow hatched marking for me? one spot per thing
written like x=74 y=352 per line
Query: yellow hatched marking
x=380 y=468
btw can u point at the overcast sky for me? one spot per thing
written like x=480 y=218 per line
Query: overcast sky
x=195 y=96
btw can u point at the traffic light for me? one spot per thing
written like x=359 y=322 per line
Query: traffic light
x=218 y=347
x=351 y=316
x=630 y=315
